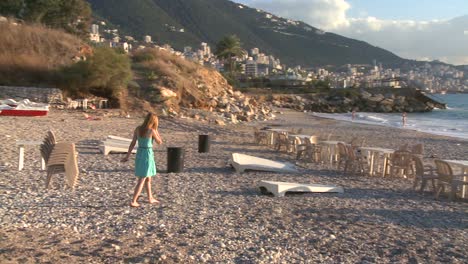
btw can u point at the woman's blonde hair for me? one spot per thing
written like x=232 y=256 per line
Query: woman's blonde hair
x=151 y=122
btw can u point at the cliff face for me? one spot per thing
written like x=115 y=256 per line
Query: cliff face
x=369 y=100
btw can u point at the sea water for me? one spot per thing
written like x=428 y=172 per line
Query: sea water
x=452 y=121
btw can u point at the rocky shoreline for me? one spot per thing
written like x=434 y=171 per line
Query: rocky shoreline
x=360 y=100
x=211 y=214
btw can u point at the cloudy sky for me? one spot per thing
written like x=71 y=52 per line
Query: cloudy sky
x=414 y=29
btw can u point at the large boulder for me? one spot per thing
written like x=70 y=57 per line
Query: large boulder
x=376 y=98
x=387 y=101
x=365 y=95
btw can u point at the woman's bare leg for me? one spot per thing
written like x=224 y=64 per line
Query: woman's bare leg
x=148 y=190
x=137 y=192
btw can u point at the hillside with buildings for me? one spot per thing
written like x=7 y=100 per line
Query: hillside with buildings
x=259 y=69
x=279 y=52
x=170 y=79
x=190 y=22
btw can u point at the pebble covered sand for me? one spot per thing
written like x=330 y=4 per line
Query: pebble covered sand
x=211 y=214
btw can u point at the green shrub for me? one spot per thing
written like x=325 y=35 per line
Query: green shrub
x=103 y=74
x=231 y=79
x=142 y=56
x=151 y=76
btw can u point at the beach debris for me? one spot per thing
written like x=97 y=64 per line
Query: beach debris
x=279 y=189
x=220 y=122
x=91 y=118
x=242 y=162
x=87 y=103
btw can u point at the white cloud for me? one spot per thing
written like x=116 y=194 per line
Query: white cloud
x=436 y=39
x=323 y=14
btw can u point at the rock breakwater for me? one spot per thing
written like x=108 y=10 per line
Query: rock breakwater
x=370 y=100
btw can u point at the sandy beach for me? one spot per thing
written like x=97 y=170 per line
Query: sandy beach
x=210 y=213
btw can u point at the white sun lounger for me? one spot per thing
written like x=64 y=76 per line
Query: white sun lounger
x=119 y=138
x=108 y=148
x=116 y=144
x=242 y=162
x=279 y=189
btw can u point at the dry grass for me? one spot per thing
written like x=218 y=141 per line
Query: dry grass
x=172 y=72
x=193 y=83
x=166 y=59
x=30 y=54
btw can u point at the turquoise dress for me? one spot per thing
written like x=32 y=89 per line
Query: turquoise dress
x=144 y=161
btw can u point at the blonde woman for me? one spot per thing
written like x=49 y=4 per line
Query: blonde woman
x=145 y=167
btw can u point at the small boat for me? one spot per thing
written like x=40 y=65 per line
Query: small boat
x=23 y=108
x=9 y=102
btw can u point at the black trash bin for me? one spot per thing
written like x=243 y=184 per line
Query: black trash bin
x=175 y=159
x=203 y=143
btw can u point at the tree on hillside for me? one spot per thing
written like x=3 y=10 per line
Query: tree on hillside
x=229 y=48
x=74 y=16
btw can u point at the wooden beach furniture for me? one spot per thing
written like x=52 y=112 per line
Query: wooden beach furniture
x=115 y=144
x=401 y=163
x=424 y=173
x=21 y=144
x=242 y=162
x=351 y=159
x=279 y=189
x=330 y=151
x=282 y=140
x=463 y=166
x=342 y=155
x=273 y=134
x=448 y=178
x=356 y=159
x=260 y=136
x=60 y=158
x=309 y=148
x=417 y=149
x=377 y=158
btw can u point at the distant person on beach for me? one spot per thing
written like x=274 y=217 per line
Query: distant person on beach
x=403 y=119
x=353 y=114
x=145 y=166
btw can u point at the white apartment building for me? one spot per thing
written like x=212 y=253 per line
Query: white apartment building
x=251 y=68
x=206 y=49
x=147 y=39
x=95 y=29
x=94 y=36
x=254 y=51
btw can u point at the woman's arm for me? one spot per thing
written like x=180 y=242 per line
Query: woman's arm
x=157 y=137
x=132 y=145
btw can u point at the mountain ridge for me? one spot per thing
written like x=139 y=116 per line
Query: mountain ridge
x=294 y=42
